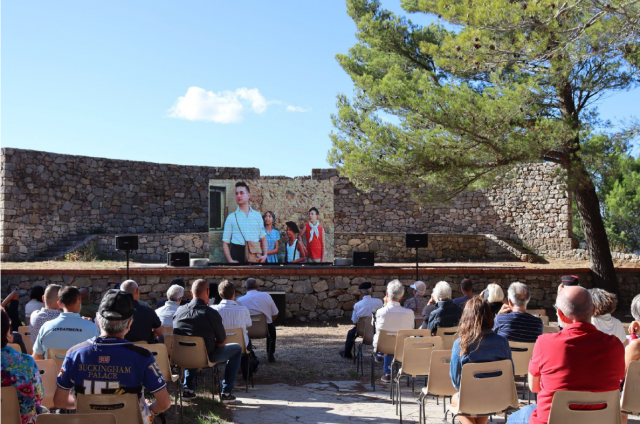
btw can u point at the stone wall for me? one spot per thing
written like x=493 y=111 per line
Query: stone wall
x=318 y=296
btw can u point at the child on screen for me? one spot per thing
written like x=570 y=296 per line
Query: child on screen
x=314 y=233
x=294 y=252
x=273 y=237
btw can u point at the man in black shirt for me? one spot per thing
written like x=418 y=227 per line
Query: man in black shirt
x=197 y=319
x=146 y=325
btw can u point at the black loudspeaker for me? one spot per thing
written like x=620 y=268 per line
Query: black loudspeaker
x=363 y=259
x=416 y=241
x=126 y=242
x=178 y=259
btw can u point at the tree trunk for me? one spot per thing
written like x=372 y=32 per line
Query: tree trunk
x=602 y=269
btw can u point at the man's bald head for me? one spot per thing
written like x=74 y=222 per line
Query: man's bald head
x=200 y=289
x=575 y=303
x=131 y=286
x=51 y=296
x=85 y=294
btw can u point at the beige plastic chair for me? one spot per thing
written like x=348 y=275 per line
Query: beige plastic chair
x=399 y=353
x=10 y=410
x=521 y=354
x=258 y=329
x=76 y=419
x=124 y=407
x=544 y=318
x=57 y=355
x=482 y=396
x=360 y=326
x=235 y=335
x=162 y=359
x=439 y=384
x=16 y=346
x=25 y=332
x=168 y=342
x=367 y=340
x=537 y=312
x=449 y=335
x=141 y=342
x=562 y=414
x=549 y=329
x=48 y=374
x=630 y=402
x=191 y=353
x=386 y=346
x=168 y=330
x=416 y=361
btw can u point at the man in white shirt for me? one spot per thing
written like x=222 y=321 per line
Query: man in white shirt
x=363 y=308
x=261 y=303
x=166 y=312
x=241 y=226
x=392 y=317
x=236 y=316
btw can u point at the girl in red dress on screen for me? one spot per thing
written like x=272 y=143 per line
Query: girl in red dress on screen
x=314 y=233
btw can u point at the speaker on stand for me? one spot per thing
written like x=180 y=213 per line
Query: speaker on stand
x=128 y=244
x=416 y=241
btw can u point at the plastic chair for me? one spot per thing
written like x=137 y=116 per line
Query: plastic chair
x=25 y=332
x=235 y=335
x=48 y=374
x=630 y=402
x=416 y=361
x=16 y=346
x=483 y=395
x=367 y=340
x=537 y=312
x=258 y=329
x=168 y=342
x=57 y=355
x=10 y=410
x=191 y=353
x=439 y=383
x=544 y=318
x=162 y=359
x=548 y=329
x=561 y=413
x=141 y=342
x=168 y=330
x=449 y=335
x=386 y=346
x=360 y=327
x=521 y=354
x=76 y=419
x=124 y=408
x=399 y=352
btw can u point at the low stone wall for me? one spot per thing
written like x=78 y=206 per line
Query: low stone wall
x=317 y=293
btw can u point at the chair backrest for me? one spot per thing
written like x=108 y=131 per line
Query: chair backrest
x=418 y=322
x=141 y=342
x=168 y=330
x=449 y=335
x=258 y=329
x=57 y=355
x=168 y=342
x=234 y=335
x=561 y=411
x=124 y=407
x=481 y=393
x=545 y=319
x=10 y=410
x=48 y=374
x=631 y=392
x=189 y=352
x=537 y=312
x=361 y=324
x=387 y=342
x=417 y=354
x=16 y=346
x=25 y=332
x=550 y=329
x=439 y=383
x=369 y=332
x=76 y=419
x=162 y=359
x=521 y=354
x=403 y=334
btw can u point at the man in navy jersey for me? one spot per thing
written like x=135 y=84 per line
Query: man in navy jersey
x=111 y=364
x=513 y=321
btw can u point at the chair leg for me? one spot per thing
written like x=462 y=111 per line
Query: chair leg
x=526 y=386
x=400 y=399
x=246 y=388
x=180 y=390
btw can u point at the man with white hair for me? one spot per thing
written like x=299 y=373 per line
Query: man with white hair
x=418 y=301
x=578 y=358
x=392 y=317
x=174 y=298
x=146 y=325
x=513 y=321
x=447 y=314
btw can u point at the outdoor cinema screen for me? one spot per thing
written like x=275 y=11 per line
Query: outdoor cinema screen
x=270 y=221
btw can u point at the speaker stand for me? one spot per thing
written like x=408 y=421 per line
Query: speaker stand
x=417 y=273
x=127 y=251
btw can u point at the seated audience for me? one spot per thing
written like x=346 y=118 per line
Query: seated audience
x=35 y=303
x=432 y=305
x=513 y=321
x=88 y=309
x=197 y=319
x=176 y=281
x=68 y=329
x=477 y=343
x=418 y=301
x=495 y=296
x=363 y=308
x=131 y=369
x=11 y=305
x=146 y=325
x=50 y=311
x=236 y=316
x=261 y=303
x=392 y=317
x=579 y=357
x=20 y=370
x=466 y=287
x=605 y=304
x=214 y=296
x=174 y=299
x=632 y=351
x=447 y=314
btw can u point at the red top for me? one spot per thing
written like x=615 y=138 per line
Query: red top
x=314 y=248
x=581 y=358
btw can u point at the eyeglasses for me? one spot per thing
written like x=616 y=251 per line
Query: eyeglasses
x=557 y=309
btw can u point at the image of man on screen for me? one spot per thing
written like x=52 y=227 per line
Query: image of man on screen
x=244 y=230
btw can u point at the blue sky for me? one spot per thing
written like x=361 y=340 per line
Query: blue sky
x=112 y=79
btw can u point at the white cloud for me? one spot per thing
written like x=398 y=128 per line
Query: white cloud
x=224 y=107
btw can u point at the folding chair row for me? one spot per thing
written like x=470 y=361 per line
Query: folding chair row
x=25 y=332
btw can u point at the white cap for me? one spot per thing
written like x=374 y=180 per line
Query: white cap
x=420 y=286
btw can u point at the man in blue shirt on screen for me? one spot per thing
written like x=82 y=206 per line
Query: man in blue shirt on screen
x=111 y=364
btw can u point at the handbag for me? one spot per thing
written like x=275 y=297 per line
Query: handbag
x=252 y=249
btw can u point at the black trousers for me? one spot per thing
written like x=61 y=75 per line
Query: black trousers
x=237 y=252
x=271 y=338
x=351 y=339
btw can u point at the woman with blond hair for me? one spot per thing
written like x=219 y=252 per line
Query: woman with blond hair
x=476 y=343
